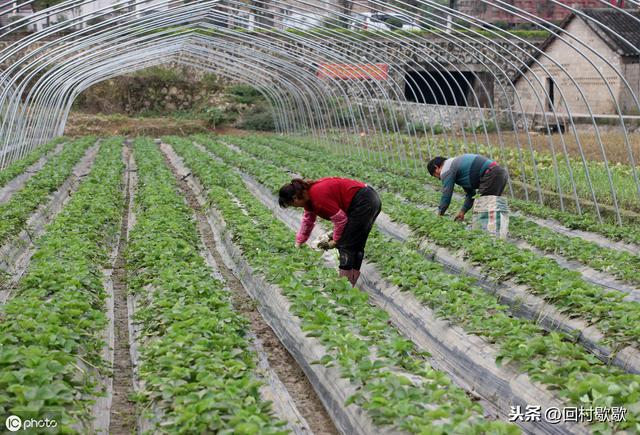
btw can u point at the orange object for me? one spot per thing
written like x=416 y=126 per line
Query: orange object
x=366 y=71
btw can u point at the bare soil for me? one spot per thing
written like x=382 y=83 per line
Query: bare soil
x=613 y=142
x=280 y=360
x=82 y=124
x=123 y=411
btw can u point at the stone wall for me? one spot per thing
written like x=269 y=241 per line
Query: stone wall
x=158 y=91
x=449 y=117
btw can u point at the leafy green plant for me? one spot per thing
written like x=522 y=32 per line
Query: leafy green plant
x=394 y=23
x=215 y=117
x=160 y=74
x=212 y=82
x=259 y=118
x=424 y=129
x=543 y=276
x=622 y=264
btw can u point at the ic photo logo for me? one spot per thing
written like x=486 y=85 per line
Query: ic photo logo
x=13 y=423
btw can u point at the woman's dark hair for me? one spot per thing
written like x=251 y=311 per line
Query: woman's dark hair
x=435 y=162
x=292 y=190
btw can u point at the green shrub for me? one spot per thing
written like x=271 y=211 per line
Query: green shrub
x=423 y=129
x=260 y=119
x=394 y=119
x=394 y=23
x=245 y=94
x=159 y=74
x=490 y=126
x=216 y=117
x=342 y=117
x=334 y=23
x=212 y=82
x=502 y=24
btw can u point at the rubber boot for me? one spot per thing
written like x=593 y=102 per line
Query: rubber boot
x=353 y=279
x=352 y=275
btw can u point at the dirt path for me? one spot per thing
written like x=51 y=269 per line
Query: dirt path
x=123 y=411
x=279 y=358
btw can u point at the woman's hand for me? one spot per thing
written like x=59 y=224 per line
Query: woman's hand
x=298 y=245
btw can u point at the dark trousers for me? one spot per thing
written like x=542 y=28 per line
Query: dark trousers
x=493 y=181
x=363 y=211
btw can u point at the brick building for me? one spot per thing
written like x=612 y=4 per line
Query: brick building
x=567 y=77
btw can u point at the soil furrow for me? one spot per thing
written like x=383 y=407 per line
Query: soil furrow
x=123 y=410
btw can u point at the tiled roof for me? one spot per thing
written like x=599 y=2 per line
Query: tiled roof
x=620 y=29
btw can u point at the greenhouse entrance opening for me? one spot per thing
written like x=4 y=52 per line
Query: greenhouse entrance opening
x=451 y=88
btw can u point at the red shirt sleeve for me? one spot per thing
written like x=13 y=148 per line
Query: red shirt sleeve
x=308 y=222
x=339 y=222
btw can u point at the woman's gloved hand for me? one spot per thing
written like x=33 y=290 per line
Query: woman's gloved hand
x=327 y=244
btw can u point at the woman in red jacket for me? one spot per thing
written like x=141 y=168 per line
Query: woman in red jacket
x=351 y=205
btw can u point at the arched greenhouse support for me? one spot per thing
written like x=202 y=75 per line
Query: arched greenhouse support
x=458 y=84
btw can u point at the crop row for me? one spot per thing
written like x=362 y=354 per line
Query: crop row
x=552 y=359
x=415 y=170
x=51 y=334
x=15 y=212
x=618 y=320
x=621 y=264
x=19 y=166
x=356 y=335
x=196 y=367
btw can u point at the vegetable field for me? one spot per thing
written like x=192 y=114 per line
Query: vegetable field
x=153 y=286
